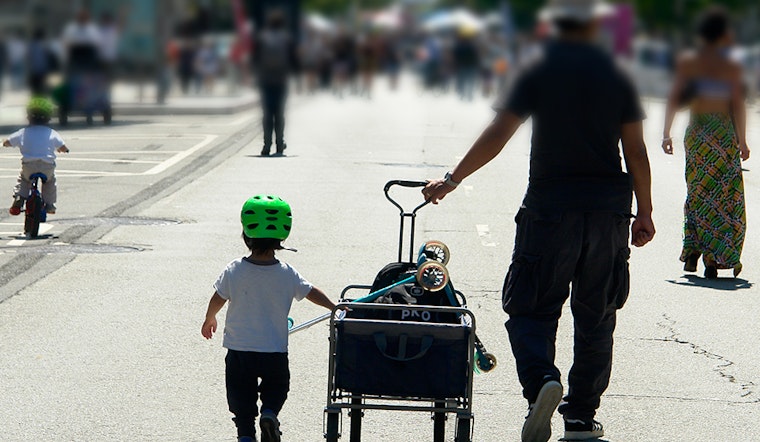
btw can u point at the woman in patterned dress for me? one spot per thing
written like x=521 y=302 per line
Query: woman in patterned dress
x=711 y=85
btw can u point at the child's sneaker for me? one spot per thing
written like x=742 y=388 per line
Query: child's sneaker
x=50 y=209
x=16 y=206
x=270 y=427
x=578 y=429
x=538 y=423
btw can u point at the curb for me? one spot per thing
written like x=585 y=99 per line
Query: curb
x=210 y=108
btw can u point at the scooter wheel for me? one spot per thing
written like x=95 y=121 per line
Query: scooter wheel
x=486 y=363
x=438 y=250
x=432 y=276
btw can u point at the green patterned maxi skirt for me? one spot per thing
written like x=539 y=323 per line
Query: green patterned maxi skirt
x=714 y=217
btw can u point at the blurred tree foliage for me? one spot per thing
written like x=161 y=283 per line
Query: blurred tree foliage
x=340 y=6
x=663 y=14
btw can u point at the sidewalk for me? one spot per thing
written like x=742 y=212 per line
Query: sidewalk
x=131 y=99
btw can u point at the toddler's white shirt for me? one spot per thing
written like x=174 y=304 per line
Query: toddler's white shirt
x=37 y=143
x=259 y=297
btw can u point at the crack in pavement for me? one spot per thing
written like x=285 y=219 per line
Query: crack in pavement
x=747 y=388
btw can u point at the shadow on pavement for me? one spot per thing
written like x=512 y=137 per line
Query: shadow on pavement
x=725 y=284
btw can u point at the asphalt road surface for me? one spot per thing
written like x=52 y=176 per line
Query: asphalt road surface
x=100 y=318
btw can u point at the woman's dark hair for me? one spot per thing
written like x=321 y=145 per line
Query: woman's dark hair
x=713 y=24
x=262 y=245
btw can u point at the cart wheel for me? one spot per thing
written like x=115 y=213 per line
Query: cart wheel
x=486 y=362
x=432 y=276
x=439 y=424
x=89 y=119
x=333 y=424
x=107 y=116
x=439 y=251
x=464 y=425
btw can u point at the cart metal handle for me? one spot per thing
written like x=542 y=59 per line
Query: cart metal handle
x=404 y=183
x=404 y=214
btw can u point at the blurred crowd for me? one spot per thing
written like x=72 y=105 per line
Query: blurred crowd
x=84 y=45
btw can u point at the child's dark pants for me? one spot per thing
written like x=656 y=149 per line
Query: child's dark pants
x=588 y=250
x=244 y=369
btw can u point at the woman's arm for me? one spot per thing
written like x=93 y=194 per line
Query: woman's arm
x=679 y=83
x=739 y=109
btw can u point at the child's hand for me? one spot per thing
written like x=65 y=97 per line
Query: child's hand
x=209 y=327
x=6 y=143
x=63 y=149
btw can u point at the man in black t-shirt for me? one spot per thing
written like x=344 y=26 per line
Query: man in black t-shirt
x=573 y=226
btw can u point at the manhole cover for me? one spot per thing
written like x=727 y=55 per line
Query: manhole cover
x=71 y=249
x=115 y=221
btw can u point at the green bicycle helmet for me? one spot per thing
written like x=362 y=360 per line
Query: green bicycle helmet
x=39 y=109
x=266 y=216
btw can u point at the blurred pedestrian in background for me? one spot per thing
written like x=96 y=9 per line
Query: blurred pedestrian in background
x=40 y=63
x=275 y=55
x=466 y=60
x=81 y=39
x=3 y=62
x=188 y=48
x=711 y=85
x=16 y=59
x=109 y=32
x=207 y=64
x=344 y=62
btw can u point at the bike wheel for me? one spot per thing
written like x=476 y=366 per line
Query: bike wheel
x=33 y=216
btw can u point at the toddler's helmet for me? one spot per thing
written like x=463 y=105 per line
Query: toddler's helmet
x=266 y=216
x=39 y=108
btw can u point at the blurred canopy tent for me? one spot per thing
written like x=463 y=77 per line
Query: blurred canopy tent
x=390 y=19
x=318 y=22
x=453 y=20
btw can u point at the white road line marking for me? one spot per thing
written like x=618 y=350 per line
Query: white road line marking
x=44 y=227
x=111 y=160
x=160 y=166
x=485 y=235
x=180 y=156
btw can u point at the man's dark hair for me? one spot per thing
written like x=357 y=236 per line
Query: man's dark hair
x=570 y=25
x=713 y=24
x=262 y=245
x=276 y=19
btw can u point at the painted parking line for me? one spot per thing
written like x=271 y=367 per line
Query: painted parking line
x=159 y=166
x=44 y=227
x=485 y=235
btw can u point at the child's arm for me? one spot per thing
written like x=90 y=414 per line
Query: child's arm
x=318 y=297
x=63 y=149
x=209 y=325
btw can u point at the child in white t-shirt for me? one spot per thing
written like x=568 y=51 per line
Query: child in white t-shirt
x=260 y=290
x=38 y=144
